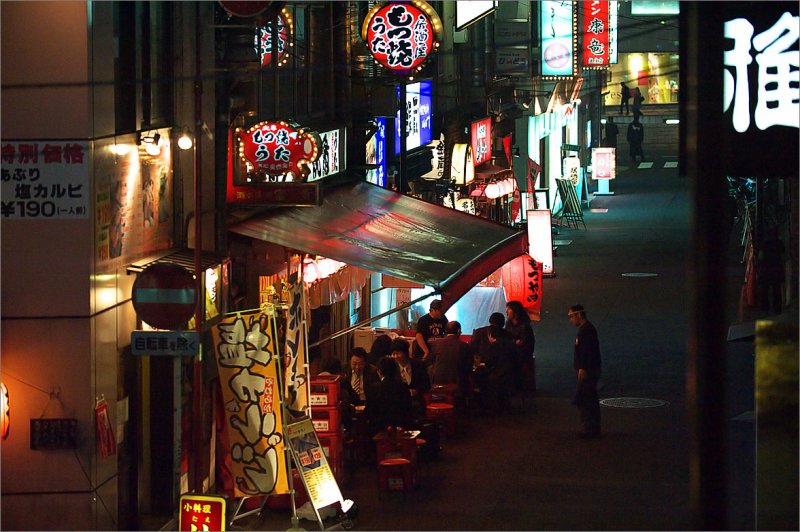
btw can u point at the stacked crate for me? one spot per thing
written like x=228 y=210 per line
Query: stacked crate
x=326 y=408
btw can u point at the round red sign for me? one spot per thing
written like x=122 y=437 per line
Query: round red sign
x=401 y=36
x=165 y=295
x=263 y=40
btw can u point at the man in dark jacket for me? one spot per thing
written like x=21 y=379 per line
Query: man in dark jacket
x=635 y=138
x=451 y=360
x=359 y=376
x=389 y=400
x=587 y=364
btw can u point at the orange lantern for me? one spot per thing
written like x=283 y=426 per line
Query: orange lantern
x=4 y=411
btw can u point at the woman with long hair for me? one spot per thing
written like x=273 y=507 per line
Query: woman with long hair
x=518 y=323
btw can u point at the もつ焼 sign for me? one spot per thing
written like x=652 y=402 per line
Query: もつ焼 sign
x=276 y=148
x=402 y=35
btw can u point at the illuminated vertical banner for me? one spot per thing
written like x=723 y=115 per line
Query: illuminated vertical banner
x=247 y=359
x=481 y=136
x=419 y=116
x=297 y=391
x=595 y=34
x=402 y=35
x=376 y=154
x=613 y=24
x=557 y=28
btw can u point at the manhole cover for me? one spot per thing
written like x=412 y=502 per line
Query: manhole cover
x=632 y=402
x=639 y=274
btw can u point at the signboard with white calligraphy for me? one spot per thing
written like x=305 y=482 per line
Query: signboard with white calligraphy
x=332 y=150
x=481 y=137
x=595 y=34
x=761 y=100
x=45 y=180
x=419 y=116
x=376 y=153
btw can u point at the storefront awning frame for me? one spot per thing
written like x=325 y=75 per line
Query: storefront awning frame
x=383 y=231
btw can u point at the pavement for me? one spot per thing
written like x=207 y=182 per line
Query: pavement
x=526 y=469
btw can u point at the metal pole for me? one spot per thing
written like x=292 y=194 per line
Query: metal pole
x=197 y=367
x=402 y=185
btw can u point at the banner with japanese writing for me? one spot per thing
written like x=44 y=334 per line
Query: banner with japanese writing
x=522 y=281
x=297 y=390
x=595 y=34
x=45 y=180
x=248 y=362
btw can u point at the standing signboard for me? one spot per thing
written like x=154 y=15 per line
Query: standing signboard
x=201 y=512
x=315 y=472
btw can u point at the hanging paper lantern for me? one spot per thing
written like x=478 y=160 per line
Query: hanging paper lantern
x=522 y=281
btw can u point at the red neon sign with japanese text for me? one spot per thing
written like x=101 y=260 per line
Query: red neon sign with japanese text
x=401 y=36
x=595 y=34
x=276 y=148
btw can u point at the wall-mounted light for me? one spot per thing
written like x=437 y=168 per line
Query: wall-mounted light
x=151 y=143
x=672 y=121
x=185 y=141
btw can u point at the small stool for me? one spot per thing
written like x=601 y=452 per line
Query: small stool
x=395 y=474
x=444 y=413
x=444 y=393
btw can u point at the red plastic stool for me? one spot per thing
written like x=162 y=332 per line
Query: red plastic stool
x=395 y=474
x=444 y=413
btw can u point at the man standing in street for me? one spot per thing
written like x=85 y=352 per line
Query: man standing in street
x=611 y=133
x=624 y=97
x=587 y=363
x=430 y=325
x=636 y=138
x=451 y=361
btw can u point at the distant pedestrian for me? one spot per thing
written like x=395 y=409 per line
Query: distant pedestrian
x=611 y=132
x=624 y=97
x=638 y=99
x=587 y=364
x=636 y=139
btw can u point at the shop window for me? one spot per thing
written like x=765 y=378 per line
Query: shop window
x=657 y=76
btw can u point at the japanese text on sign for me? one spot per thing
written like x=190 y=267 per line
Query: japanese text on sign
x=778 y=95
x=45 y=180
x=596 y=34
x=400 y=36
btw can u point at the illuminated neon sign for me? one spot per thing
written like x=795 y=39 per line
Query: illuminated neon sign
x=481 y=136
x=596 y=35
x=558 y=38
x=263 y=39
x=276 y=148
x=419 y=116
x=401 y=36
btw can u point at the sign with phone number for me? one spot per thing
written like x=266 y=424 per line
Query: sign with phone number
x=44 y=180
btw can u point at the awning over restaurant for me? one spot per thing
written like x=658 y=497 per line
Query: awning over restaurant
x=383 y=231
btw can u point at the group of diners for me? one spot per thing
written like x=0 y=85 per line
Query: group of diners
x=392 y=380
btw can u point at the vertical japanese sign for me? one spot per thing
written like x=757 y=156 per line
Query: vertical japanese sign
x=401 y=35
x=376 y=153
x=44 y=180
x=201 y=512
x=105 y=435
x=613 y=25
x=297 y=391
x=595 y=34
x=761 y=100
x=248 y=370
x=437 y=159
x=558 y=38
x=331 y=159
x=419 y=116
x=481 y=137
x=310 y=459
x=522 y=281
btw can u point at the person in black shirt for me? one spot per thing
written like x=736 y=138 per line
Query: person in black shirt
x=611 y=133
x=388 y=401
x=430 y=325
x=587 y=363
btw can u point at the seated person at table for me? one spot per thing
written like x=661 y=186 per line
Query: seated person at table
x=388 y=401
x=451 y=360
x=381 y=347
x=414 y=374
x=358 y=377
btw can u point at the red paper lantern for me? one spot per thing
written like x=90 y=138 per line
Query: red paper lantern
x=522 y=281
